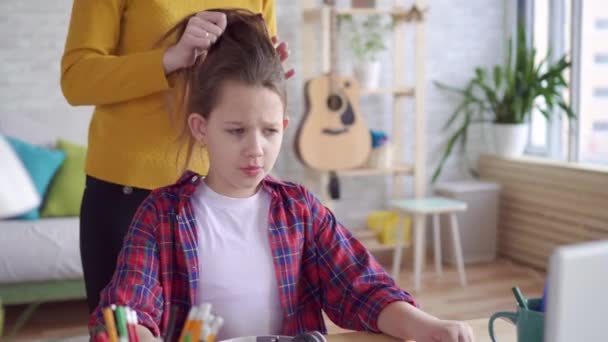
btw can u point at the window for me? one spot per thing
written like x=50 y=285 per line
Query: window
x=580 y=29
x=601 y=93
x=601 y=23
x=601 y=58
x=549 y=24
x=539 y=143
x=593 y=90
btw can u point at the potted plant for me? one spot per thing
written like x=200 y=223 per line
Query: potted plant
x=506 y=96
x=366 y=40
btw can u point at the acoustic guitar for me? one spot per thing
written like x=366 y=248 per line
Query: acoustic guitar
x=332 y=135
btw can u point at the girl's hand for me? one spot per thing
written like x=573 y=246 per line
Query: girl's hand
x=447 y=331
x=283 y=54
x=202 y=31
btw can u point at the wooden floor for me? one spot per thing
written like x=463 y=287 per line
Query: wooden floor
x=488 y=291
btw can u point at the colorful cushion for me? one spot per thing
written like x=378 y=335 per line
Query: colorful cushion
x=41 y=163
x=65 y=193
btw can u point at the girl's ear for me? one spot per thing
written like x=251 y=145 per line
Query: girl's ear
x=198 y=127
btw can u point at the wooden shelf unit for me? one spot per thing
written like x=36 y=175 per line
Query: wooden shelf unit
x=398 y=12
x=315 y=15
x=400 y=170
x=400 y=91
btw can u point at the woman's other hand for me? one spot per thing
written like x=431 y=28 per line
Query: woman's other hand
x=283 y=52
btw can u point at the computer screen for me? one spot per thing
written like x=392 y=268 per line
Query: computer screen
x=577 y=293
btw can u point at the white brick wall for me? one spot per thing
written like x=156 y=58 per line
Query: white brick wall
x=32 y=36
x=461 y=35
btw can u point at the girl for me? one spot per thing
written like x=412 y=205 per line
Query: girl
x=266 y=253
x=110 y=61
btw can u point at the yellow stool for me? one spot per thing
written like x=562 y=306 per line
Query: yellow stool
x=385 y=224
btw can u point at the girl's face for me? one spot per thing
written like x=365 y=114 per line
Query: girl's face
x=243 y=136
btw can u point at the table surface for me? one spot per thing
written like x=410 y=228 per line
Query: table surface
x=504 y=331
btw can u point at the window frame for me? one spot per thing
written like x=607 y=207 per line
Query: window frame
x=556 y=38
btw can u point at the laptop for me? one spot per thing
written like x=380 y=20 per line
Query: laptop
x=577 y=293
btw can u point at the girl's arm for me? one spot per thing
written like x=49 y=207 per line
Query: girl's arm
x=354 y=288
x=358 y=294
x=144 y=334
x=135 y=282
x=91 y=73
x=407 y=322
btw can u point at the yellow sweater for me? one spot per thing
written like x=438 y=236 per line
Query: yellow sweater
x=109 y=62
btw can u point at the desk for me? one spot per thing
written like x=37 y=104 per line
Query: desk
x=504 y=331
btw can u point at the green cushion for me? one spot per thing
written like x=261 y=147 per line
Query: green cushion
x=65 y=193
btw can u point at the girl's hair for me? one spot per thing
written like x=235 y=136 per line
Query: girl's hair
x=244 y=53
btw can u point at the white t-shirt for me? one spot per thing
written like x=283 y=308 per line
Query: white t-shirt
x=237 y=273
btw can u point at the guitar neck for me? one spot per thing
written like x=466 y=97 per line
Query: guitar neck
x=333 y=50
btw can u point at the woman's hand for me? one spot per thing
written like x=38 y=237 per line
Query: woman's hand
x=283 y=52
x=202 y=31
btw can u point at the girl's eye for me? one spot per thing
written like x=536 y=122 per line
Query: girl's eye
x=236 y=131
x=270 y=131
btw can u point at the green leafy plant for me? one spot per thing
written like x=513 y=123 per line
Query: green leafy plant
x=507 y=93
x=366 y=37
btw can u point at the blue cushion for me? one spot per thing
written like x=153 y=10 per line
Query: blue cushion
x=41 y=163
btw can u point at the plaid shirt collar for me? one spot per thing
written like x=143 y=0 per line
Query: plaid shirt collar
x=190 y=180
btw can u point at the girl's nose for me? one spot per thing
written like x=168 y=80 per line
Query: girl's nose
x=254 y=146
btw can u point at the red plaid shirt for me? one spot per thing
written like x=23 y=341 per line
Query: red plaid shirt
x=319 y=265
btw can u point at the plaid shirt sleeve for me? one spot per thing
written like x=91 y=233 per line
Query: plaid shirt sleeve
x=355 y=286
x=135 y=281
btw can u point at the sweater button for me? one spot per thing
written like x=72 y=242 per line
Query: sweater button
x=194 y=179
x=127 y=190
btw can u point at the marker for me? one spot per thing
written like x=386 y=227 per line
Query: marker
x=519 y=297
x=108 y=317
x=121 y=320
x=187 y=325
x=206 y=328
x=543 y=300
x=136 y=322
x=131 y=319
x=202 y=316
x=215 y=328
x=205 y=311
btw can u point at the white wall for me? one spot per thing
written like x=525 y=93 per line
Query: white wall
x=32 y=36
x=461 y=34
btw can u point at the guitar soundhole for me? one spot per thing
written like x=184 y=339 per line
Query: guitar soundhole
x=334 y=102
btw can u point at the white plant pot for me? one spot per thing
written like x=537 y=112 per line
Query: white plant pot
x=381 y=157
x=510 y=139
x=368 y=74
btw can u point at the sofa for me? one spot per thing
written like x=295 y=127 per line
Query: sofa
x=40 y=261
x=39 y=252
